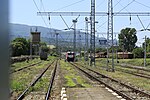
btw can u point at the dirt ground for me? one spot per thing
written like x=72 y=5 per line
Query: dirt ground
x=95 y=93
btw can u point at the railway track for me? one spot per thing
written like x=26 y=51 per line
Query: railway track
x=24 y=67
x=24 y=93
x=135 y=67
x=126 y=91
x=137 y=72
x=143 y=75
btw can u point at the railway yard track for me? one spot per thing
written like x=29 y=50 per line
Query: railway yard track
x=47 y=78
x=127 y=91
x=19 y=69
x=136 y=73
x=34 y=90
x=133 y=71
x=135 y=67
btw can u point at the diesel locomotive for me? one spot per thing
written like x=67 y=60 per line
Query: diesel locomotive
x=70 y=56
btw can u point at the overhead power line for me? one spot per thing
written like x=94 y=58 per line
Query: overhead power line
x=142 y=4
x=126 y=6
x=69 y=5
x=42 y=5
x=39 y=11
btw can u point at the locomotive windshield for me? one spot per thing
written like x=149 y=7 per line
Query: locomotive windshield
x=70 y=53
x=70 y=56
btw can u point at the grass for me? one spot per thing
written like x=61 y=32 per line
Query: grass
x=140 y=82
x=135 y=80
x=20 y=80
x=42 y=84
x=72 y=77
x=70 y=82
x=17 y=86
x=23 y=64
x=136 y=62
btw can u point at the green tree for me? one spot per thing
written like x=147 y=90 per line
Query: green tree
x=127 y=39
x=44 y=48
x=138 y=52
x=147 y=44
x=20 y=46
x=100 y=50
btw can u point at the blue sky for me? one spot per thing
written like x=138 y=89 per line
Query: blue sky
x=25 y=12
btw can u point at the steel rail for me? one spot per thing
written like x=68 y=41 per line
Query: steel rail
x=128 y=86
x=91 y=76
x=24 y=67
x=143 y=75
x=121 y=83
x=134 y=73
x=33 y=83
x=134 y=67
x=51 y=82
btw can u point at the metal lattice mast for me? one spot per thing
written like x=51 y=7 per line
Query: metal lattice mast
x=92 y=40
x=74 y=40
x=110 y=32
x=86 y=40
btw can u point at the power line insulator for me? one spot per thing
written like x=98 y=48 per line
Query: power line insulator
x=49 y=18
x=130 y=19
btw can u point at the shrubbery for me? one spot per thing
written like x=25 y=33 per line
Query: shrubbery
x=138 y=52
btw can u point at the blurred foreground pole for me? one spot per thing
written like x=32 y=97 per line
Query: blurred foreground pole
x=4 y=51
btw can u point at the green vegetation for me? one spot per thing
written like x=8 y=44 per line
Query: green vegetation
x=136 y=62
x=23 y=64
x=140 y=82
x=20 y=46
x=124 y=77
x=147 y=45
x=138 y=52
x=127 y=39
x=20 y=80
x=72 y=77
x=42 y=84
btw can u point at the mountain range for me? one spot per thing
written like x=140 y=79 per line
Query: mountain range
x=48 y=34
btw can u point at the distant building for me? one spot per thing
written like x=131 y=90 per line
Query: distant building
x=125 y=55
x=101 y=55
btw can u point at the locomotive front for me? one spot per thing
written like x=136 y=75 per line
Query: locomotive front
x=70 y=56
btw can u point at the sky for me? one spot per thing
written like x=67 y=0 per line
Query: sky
x=25 y=12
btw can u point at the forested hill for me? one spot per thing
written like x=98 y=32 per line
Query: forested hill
x=24 y=30
x=47 y=34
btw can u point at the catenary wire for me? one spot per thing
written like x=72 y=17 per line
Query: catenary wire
x=125 y=6
x=142 y=4
x=118 y=12
x=69 y=5
x=39 y=11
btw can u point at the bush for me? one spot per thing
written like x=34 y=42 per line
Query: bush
x=138 y=52
x=147 y=55
x=20 y=46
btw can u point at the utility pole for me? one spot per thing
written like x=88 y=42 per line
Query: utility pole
x=80 y=44
x=145 y=52
x=57 y=42
x=30 y=44
x=92 y=40
x=86 y=54
x=92 y=15
x=110 y=33
x=74 y=40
